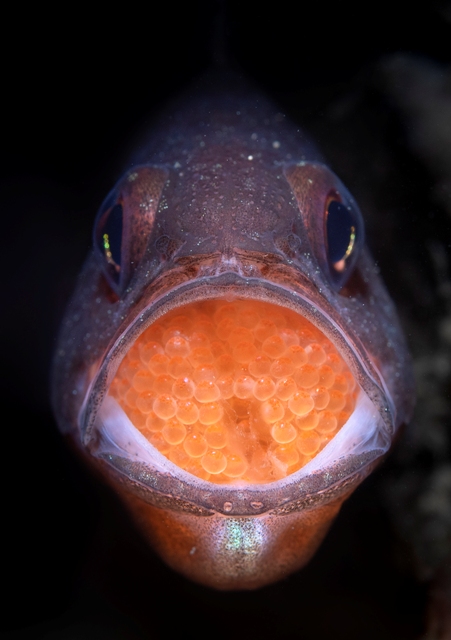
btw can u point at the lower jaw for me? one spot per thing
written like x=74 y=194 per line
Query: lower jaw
x=230 y=553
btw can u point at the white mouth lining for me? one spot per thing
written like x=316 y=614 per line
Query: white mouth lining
x=363 y=432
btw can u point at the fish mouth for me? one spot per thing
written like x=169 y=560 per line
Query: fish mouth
x=235 y=386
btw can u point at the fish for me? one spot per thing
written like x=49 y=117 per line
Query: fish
x=231 y=362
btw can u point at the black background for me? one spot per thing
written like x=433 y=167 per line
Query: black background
x=76 y=88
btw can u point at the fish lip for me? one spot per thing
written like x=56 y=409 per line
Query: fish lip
x=202 y=498
x=227 y=285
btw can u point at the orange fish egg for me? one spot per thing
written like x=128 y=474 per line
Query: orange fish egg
x=250 y=399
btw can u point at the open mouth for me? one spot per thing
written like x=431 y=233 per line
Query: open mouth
x=234 y=391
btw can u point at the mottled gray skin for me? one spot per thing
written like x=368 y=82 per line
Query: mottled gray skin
x=227 y=198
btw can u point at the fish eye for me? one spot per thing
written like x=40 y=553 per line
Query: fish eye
x=343 y=237
x=108 y=229
x=341 y=234
x=124 y=224
x=331 y=220
x=108 y=238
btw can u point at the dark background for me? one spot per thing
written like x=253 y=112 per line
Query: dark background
x=76 y=89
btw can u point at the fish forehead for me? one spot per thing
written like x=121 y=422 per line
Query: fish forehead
x=221 y=113
x=226 y=152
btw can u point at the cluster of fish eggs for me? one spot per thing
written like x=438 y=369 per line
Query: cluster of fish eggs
x=239 y=390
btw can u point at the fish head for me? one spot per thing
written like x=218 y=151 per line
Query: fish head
x=231 y=360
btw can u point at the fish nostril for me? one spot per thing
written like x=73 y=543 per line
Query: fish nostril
x=238 y=390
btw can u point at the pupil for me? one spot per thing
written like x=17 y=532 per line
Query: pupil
x=341 y=232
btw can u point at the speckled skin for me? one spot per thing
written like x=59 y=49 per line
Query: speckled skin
x=227 y=198
x=248 y=552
